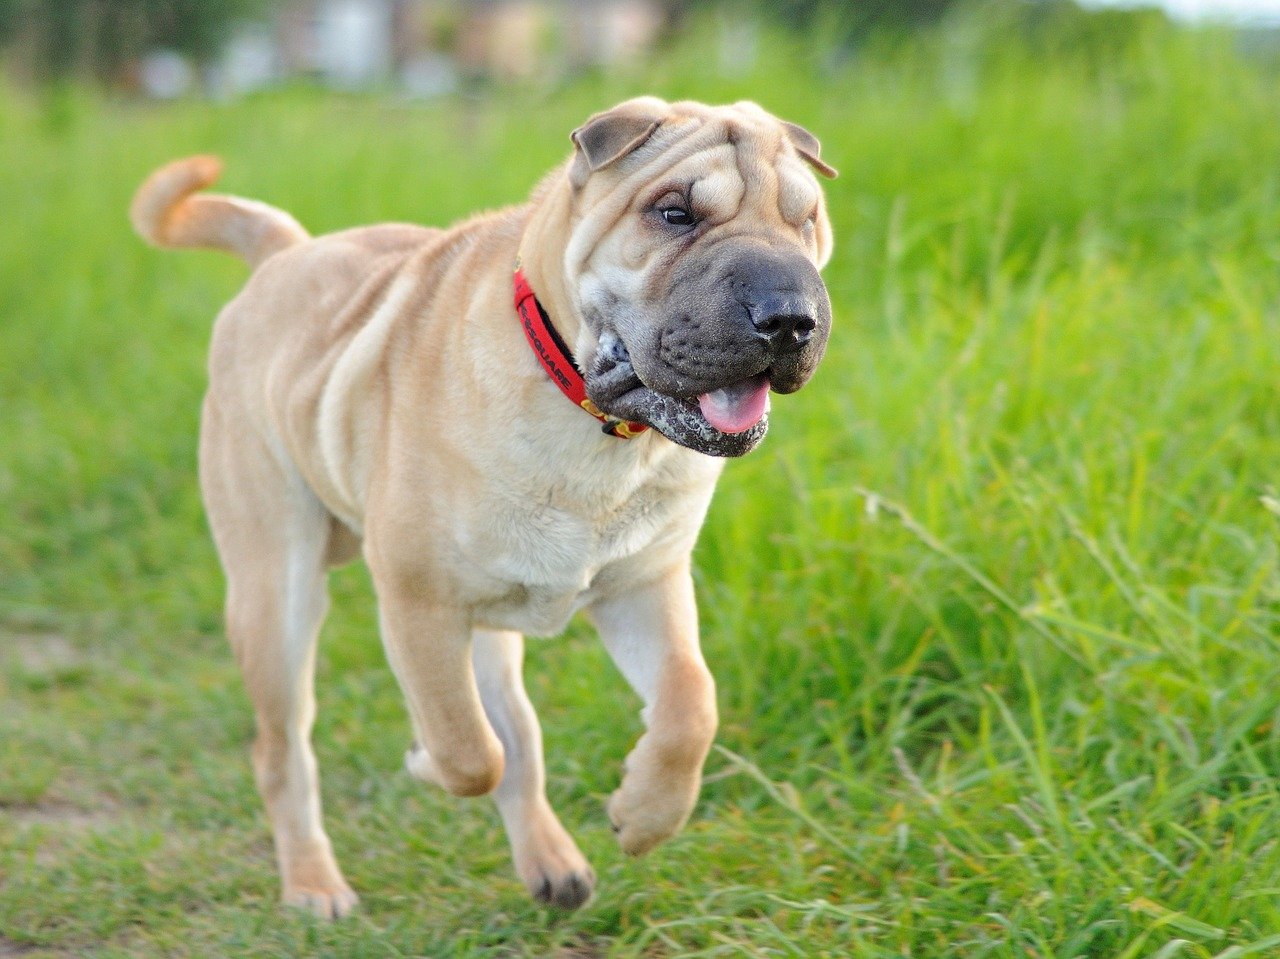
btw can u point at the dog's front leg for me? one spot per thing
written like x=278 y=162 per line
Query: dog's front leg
x=652 y=634
x=428 y=644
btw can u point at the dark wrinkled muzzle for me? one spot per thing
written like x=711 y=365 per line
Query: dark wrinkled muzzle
x=721 y=328
x=754 y=311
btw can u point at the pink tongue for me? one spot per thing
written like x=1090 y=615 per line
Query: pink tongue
x=736 y=408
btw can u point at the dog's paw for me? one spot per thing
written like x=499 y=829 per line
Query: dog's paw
x=312 y=879
x=332 y=902
x=643 y=818
x=552 y=867
x=564 y=889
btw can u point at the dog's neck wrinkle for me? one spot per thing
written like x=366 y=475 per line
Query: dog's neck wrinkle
x=542 y=255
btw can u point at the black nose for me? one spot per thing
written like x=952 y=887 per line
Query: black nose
x=783 y=321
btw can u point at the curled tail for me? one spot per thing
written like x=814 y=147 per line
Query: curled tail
x=167 y=211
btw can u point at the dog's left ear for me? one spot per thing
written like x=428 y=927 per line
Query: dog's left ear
x=611 y=135
x=807 y=146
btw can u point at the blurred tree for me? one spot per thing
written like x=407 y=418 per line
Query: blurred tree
x=8 y=17
x=1053 y=27
x=853 y=20
x=1047 y=25
x=99 y=38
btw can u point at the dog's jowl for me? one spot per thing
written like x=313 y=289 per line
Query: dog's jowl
x=511 y=420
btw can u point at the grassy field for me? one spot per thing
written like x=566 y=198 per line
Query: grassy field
x=994 y=612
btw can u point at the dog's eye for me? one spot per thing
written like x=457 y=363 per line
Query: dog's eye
x=677 y=216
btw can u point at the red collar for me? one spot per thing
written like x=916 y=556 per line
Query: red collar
x=558 y=361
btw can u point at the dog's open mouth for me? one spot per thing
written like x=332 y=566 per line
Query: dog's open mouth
x=728 y=421
x=737 y=407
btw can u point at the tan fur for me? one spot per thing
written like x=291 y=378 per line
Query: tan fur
x=371 y=390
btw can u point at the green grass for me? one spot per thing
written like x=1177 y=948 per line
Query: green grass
x=994 y=611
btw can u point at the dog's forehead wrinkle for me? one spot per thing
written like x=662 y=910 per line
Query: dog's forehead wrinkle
x=666 y=136
x=611 y=199
x=761 y=134
x=663 y=165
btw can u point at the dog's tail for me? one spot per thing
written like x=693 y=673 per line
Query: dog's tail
x=168 y=212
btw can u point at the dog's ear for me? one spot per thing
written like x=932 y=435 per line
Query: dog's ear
x=611 y=135
x=807 y=146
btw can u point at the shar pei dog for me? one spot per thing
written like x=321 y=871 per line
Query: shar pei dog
x=510 y=420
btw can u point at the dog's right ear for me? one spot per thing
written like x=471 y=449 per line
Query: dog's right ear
x=611 y=135
x=809 y=148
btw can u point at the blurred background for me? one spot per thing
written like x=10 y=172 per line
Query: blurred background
x=428 y=48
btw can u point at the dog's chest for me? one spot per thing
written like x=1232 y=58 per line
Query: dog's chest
x=537 y=561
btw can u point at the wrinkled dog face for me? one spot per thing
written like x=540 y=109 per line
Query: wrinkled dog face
x=698 y=238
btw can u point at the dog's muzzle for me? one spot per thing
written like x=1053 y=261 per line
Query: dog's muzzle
x=723 y=339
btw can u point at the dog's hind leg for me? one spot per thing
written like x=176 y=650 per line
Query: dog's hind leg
x=273 y=537
x=546 y=857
